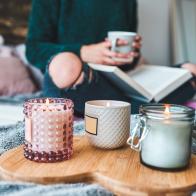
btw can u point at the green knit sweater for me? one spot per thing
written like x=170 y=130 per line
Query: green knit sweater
x=65 y=25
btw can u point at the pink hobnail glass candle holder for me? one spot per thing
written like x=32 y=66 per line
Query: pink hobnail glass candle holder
x=48 y=129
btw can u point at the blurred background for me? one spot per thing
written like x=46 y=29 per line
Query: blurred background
x=13 y=20
x=168 y=28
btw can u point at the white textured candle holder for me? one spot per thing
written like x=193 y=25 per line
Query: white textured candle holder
x=107 y=123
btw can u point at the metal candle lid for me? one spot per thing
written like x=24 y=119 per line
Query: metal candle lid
x=167 y=111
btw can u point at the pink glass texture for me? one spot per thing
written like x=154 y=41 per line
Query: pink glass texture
x=48 y=129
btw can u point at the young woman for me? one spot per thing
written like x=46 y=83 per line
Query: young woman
x=65 y=35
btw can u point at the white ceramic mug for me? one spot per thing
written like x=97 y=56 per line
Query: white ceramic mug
x=114 y=36
x=107 y=123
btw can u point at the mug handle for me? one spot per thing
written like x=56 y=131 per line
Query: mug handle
x=114 y=44
x=140 y=126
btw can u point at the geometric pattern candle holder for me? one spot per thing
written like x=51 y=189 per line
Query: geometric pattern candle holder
x=48 y=129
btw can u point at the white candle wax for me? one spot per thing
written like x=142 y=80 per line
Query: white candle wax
x=48 y=122
x=48 y=129
x=167 y=144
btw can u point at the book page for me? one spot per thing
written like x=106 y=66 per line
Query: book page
x=122 y=80
x=156 y=78
x=151 y=82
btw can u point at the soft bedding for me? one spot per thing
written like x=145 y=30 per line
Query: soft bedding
x=17 y=75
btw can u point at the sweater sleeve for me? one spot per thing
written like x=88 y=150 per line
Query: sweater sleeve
x=133 y=19
x=42 y=43
x=133 y=15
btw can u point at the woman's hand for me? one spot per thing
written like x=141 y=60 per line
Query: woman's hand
x=137 y=44
x=101 y=54
x=191 y=67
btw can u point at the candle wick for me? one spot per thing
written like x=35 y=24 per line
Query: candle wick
x=167 y=111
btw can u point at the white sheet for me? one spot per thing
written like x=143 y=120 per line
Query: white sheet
x=10 y=114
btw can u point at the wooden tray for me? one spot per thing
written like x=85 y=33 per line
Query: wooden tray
x=117 y=170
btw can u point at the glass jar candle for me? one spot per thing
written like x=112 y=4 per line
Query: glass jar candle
x=48 y=129
x=164 y=135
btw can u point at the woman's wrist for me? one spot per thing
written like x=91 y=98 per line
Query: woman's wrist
x=83 y=53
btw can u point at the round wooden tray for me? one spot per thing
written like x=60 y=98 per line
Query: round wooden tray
x=117 y=170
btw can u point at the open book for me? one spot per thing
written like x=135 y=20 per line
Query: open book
x=147 y=82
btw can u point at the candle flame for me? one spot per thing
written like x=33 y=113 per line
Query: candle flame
x=108 y=104
x=167 y=110
x=47 y=101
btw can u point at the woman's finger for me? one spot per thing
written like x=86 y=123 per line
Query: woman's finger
x=128 y=55
x=109 y=61
x=137 y=45
x=191 y=67
x=109 y=53
x=122 y=42
x=119 y=63
x=138 y=38
x=134 y=54
x=107 y=44
x=122 y=55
